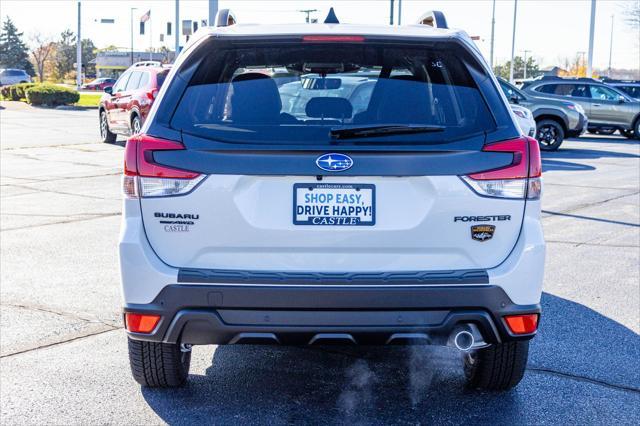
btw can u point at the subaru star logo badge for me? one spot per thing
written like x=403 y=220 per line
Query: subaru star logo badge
x=334 y=162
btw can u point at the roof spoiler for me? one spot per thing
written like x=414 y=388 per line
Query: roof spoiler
x=225 y=18
x=433 y=18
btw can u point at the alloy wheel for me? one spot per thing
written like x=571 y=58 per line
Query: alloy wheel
x=136 y=126
x=103 y=126
x=547 y=135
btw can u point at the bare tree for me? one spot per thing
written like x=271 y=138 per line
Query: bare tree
x=42 y=49
x=632 y=14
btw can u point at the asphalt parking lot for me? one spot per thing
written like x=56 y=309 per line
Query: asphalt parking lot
x=63 y=350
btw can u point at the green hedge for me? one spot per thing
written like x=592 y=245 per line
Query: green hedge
x=49 y=94
x=15 y=92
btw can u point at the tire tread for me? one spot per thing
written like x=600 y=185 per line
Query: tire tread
x=158 y=364
x=498 y=367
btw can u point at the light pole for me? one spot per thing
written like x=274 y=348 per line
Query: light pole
x=177 y=26
x=493 y=32
x=213 y=10
x=525 y=64
x=391 y=13
x=399 y=12
x=79 y=52
x=132 y=9
x=591 y=30
x=513 y=40
x=611 y=45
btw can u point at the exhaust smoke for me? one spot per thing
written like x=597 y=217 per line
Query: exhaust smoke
x=358 y=389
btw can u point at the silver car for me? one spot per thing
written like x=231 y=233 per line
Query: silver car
x=9 y=76
x=608 y=108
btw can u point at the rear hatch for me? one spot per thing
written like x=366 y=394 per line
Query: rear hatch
x=321 y=156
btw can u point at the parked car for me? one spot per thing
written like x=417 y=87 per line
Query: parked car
x=630 y=87
x=415 y=220
x=125 y=105
x=608 y=108
x=525 y=120
x=99 y=84
x=556 y=119
x=296 y=95
x=9 y=76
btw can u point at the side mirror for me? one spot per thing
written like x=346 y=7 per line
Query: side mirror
x=514 y=98
x=621 y=99
x=109 y=90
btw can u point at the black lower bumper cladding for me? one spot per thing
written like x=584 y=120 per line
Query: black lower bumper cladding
x=229 y=314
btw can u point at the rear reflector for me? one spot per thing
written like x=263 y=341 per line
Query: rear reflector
x=522 y=324
x=141 y=323
x=336 y=38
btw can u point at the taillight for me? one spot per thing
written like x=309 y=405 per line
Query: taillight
x=143 y=177
x=333 y=38
x=520 y=179
x=151 y=94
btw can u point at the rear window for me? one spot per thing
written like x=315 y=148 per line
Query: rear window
x=296 y=93
x=574 y=90
x=633 y=91
x=161 y=77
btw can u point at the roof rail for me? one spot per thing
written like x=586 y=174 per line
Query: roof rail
x=225 y=18
x=614 y=80
x=433 y=18
x=557 y=77
x=147 y=64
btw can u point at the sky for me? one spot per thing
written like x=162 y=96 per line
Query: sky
x=550 y=29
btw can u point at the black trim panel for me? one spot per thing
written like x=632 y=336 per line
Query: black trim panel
x=222 y=314
x=221 y=276
x=303 y=163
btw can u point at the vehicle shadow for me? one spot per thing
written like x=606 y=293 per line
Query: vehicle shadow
x=565 y=166
x=557 y=160
x=607 y=139
x=586 y=154
x=579 y=355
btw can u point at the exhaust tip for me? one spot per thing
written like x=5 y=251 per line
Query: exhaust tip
x=464 y=340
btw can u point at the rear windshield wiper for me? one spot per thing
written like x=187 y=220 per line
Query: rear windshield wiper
x=381 y=130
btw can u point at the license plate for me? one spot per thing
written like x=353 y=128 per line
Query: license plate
x=334 y=204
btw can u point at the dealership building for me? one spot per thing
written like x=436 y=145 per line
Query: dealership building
x=113 y=63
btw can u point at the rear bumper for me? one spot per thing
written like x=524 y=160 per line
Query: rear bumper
x=581 y=127
x=227 y=314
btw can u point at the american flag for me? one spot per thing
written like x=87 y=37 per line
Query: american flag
x=146 y=16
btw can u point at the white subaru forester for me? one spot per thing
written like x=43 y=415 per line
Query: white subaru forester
x=331 y=183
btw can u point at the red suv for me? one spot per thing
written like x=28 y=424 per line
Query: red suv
x=125 y=106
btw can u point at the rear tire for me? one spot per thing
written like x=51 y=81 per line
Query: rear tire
x=105 y=134
x=549 y=134
x=497 y=368
x=159 y=365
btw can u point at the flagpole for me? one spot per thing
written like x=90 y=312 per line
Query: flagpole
x=150 y=40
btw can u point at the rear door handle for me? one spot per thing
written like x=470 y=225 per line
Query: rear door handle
x=596 y=105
